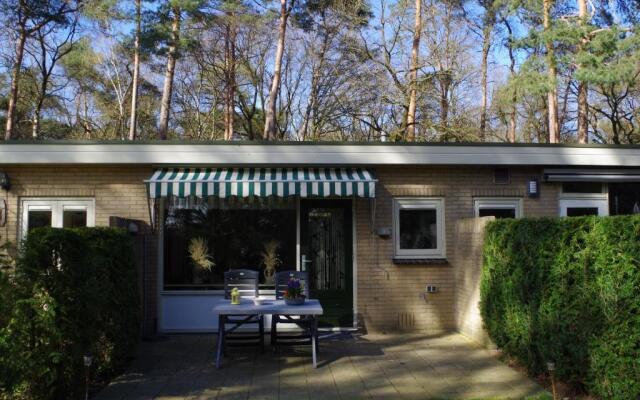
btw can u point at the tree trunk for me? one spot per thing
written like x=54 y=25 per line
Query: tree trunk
x=230 y=75
x=35 y=127
x=270 y=111
x=136 y=74
x=489 y=20
x=552 y=96
x=15 y=79
x=311 y=111
x=445 y=83
x=413 y=74
x=583 y=117
x=167 y=90
x=511 y=131
x=35 y=124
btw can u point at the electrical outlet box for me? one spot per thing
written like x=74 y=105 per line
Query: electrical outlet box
x=431 y=289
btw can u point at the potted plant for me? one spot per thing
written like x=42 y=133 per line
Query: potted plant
x=294 y=294
x=199 y=254
x=270 y=260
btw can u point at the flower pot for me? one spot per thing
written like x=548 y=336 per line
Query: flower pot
x=298 y=301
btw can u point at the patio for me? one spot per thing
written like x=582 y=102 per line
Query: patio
x=390 y=366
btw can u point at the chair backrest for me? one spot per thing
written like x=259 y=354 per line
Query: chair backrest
x=246 y=280
x=283 y=277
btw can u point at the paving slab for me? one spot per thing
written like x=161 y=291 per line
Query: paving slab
x=350 y=366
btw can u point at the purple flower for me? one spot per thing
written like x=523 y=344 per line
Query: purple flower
x=294 y=288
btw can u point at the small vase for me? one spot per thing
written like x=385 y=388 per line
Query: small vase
x=298 y=301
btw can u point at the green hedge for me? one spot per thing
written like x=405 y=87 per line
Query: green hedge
x=75 y=293
x=567 y=290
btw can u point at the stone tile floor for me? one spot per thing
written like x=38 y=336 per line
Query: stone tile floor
x=394 y=366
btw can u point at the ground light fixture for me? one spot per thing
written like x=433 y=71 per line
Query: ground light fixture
x=87 y=360
x=4 y=181
x=551 y=367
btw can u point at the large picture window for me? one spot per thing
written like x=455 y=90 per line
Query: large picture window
x=207 y=238
x=419 y=228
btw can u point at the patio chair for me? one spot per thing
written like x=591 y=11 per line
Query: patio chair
x=246 y=281
x=303 y=322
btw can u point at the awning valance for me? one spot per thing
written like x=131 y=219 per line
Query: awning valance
x=261 y=182
x=592 y=175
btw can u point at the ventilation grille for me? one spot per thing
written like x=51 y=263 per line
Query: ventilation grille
x=501 y=176
x=406 y=320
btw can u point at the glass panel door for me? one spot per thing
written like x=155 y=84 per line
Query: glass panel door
x=326 y=241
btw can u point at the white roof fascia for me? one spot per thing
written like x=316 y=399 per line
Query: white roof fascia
x=317 y=155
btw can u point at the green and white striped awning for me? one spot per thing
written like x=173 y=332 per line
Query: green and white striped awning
x=261 y=182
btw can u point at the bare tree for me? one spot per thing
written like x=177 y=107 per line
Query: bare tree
x=413 y=73
x=230 y=75
x=511 y=131
x=270 y=110
x=167 y=89
x=583 y=107
x=136 y=71
x=49 y=47
x=552 y=95
x=28 y=18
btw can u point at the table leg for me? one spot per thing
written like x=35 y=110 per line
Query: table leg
x=219 y=350
x=314 y=340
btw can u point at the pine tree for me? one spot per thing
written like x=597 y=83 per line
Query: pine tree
x=25 y=18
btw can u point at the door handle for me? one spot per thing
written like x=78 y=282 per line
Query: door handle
x=305 y=261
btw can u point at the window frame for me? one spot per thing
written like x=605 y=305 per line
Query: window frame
x=601 y=203
x=420 y=203
x=57 y=206
x=501 y=203
x=584 y=200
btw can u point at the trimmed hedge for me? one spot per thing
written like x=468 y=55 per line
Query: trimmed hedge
x=76 y=293
x=567 y=290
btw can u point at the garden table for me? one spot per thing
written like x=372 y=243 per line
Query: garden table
x=311 y=308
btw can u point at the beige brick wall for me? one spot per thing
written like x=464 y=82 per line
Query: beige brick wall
x=387 y=292
x=118 y=191
x=467 y=260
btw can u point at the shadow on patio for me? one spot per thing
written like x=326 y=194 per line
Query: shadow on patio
x=405 y=366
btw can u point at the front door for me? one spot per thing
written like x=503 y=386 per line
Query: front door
x=326 y=240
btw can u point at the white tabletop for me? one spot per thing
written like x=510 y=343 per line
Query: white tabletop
x=246 y=307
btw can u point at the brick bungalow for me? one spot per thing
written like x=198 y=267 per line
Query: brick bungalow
x=390 y=233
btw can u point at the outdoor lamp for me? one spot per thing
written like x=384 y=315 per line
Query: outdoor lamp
x=87 y=360
x=533 y=188
x=4 y=181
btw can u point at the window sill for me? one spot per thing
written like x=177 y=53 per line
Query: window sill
x=420 y=261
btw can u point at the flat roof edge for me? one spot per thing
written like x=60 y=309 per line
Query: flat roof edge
x=176 y=142
x=321 y=154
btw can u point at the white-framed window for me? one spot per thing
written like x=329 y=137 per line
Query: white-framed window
x=57 y=213
x=584 y=206
x=584 y=198
x=499 y=207
x=419 y=228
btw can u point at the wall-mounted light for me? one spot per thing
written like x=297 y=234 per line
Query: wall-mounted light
x=383 y=232
x=4 y=181
x=533 y=188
